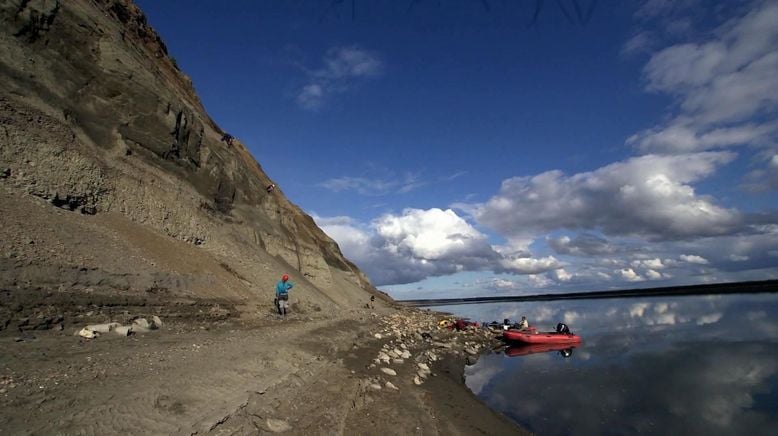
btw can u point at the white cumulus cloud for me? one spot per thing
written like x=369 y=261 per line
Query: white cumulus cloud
x=418 y=243
x=650 y=196
x=722 y=85
x=693 y=258
x=630 y=275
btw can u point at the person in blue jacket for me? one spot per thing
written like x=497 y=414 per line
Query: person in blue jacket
x=282 y=294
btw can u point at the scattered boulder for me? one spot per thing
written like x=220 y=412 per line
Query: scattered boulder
x=417 y=380
x=388 y=371
x=375 y=386
x=389 y=385
x=378 y=336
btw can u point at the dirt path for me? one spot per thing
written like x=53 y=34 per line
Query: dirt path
x=295 y=376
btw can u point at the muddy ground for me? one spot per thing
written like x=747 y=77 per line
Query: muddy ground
x=213 y=370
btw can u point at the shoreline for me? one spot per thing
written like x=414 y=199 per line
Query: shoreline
x=246 y=375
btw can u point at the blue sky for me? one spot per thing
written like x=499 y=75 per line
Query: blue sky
x=467 y=148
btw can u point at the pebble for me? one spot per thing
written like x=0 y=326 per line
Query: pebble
x=375 y=386
x=388 y=371
x=389 y=385
x=278 y=425
x=398 y=361
x=378 y=336
x=417 y=381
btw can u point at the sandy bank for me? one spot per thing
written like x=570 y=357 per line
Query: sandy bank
x=310 y=374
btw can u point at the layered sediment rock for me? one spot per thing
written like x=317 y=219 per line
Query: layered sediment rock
x=114 y=178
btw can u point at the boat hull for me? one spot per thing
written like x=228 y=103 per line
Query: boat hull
x=527 y=349
x=534 y=337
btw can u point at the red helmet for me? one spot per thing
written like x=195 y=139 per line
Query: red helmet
x=285 y=277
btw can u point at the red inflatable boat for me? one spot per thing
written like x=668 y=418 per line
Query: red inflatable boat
x=535 y=337
x=527 y=349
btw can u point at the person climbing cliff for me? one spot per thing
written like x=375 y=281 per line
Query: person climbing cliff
x=282 y=294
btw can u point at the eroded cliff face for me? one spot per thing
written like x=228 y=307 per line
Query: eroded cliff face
x=113 y=177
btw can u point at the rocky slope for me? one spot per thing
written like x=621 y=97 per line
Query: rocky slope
x=115 y=183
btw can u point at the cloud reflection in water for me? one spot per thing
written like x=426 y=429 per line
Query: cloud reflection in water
x=688 y=365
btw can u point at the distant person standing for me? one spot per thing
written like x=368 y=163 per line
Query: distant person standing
x=282 y=294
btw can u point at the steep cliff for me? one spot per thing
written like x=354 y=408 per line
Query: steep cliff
x=114 y=180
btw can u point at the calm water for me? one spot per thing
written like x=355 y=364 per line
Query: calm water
x=681 y=366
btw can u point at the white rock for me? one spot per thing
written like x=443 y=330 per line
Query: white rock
x=89 y=334
x=278 y=425
x=103 y=328
x=417 y=381
x=389 y=385
x=424 y=367
x=157 y=321
x=403 y=346
x=405 y=354
x=398 y=361
x=388 y=371
x=123 y=330
x=392 y=354
x=378 y=336
x=423 y=374
x=375 y=386
x=141 y=324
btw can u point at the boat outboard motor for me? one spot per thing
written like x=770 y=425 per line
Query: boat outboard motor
x=562 y=328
